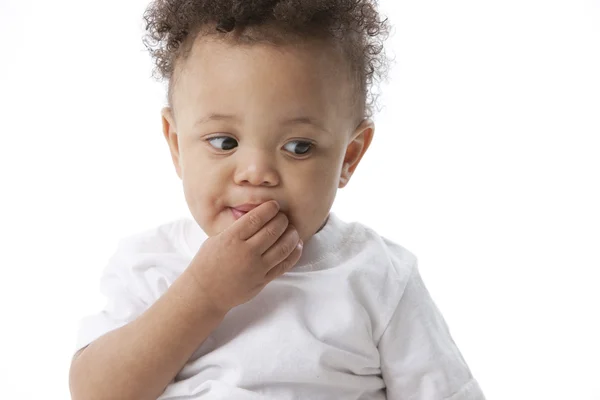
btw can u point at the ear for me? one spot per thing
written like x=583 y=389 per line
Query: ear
x=170 y=132
x=359 y=143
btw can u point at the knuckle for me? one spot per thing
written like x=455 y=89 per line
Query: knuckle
x=271 y=232
x=254 y=220
x=285 y=265
x=285 y=249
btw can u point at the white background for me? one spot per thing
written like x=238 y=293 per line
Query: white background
x=485 y=164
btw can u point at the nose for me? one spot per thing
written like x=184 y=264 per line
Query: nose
x=256 y=168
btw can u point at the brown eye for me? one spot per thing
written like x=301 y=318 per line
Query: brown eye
x=298 y=147
x=223 y=142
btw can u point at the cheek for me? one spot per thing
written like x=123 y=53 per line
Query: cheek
x=316 y=184
x=311 y=201
x=203 y=176
x=204 y=186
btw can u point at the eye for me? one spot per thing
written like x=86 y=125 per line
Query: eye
x=222 y=142
x=298 y=147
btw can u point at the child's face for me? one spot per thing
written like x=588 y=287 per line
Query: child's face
x=260 y=150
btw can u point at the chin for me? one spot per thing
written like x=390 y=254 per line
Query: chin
x=211 y=224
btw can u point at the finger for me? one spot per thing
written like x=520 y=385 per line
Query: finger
x=286 y=264
x=254 y=220
x=269 y=234
x=282 y=248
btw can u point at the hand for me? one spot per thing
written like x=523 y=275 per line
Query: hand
x=234 y=266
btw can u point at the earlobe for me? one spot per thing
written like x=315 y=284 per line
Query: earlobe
x=170 y=134
x=344 y=176
x=167 y=122
x=359 y=143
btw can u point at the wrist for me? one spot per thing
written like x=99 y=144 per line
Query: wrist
x=202 y=299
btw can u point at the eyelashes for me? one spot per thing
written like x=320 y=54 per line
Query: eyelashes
x=294 y=147
x=223 y=143
x=301 y=147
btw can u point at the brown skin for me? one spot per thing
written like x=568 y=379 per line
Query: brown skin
x=138 y=360
x=263 y=86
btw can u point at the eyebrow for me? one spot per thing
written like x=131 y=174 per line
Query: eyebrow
x=286 y=122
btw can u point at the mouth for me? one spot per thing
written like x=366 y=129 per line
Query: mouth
x=237 y=214
x=239 y=211
x=245 y=207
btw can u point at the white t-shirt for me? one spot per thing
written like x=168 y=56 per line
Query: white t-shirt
x=352 y=320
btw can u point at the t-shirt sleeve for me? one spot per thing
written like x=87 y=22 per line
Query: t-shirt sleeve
x=126 y=299
x=419 y=359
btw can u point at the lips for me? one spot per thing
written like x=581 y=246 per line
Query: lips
x=239 y=211
x=245 y=207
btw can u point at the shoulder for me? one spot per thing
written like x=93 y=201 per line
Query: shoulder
x=379 y=270
x=163 y=237
x=381 y=250
x=164 y=247
x=182 y=236
x=403 y=261
x=139 y=271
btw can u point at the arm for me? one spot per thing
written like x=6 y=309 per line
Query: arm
x=138 y=360
x=419 y=358
x=148 y=346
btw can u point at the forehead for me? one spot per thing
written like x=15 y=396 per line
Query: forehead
x=305 y=78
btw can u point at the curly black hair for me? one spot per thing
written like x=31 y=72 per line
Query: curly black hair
x=353 y=26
